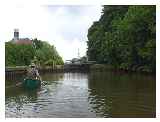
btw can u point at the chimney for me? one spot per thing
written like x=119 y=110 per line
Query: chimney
x=16 y=34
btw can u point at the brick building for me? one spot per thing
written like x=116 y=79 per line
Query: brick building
x=18 y=40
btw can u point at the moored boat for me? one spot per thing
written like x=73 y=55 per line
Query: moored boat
x=31 y=83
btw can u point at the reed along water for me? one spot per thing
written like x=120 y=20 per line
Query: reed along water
x=81 y=95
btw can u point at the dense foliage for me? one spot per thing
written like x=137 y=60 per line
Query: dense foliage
x=124 y=37
x=40 y=52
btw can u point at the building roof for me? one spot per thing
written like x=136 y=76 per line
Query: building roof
x=24 y=41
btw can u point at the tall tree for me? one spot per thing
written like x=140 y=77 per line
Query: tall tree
x=124 y=37
x=39 y=52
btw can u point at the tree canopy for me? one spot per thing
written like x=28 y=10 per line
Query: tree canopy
x=124 y=37
x=39 y=52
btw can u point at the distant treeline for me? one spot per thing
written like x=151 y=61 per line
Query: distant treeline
x=125 y=38
x=39 y=52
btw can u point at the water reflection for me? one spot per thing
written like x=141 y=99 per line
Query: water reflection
x=17 y=99
x=13 y=79
x=53 y=76
x=23 y=102
x=94 y=94
x=122 y=95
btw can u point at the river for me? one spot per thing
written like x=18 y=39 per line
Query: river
x=84 y=95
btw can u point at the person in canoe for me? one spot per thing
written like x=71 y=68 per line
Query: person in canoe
x=32 y=72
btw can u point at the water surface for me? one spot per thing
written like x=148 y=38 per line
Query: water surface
x=94 y=94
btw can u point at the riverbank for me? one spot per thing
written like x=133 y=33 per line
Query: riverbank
x=76 y=67
x=105 y=67
x=23 y=69
x=57 y=68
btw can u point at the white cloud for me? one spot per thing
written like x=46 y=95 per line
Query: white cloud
x=64 y=26
x=70 y=50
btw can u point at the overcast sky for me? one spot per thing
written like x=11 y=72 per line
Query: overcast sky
x=64 y=26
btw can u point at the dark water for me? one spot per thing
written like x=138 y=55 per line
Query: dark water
x=94 y=94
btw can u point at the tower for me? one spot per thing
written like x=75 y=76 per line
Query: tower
x=78 y=53
x=16 y=34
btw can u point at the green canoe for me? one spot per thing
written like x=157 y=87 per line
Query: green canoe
x=31 y=83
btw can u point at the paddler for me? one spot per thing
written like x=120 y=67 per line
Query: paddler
x=32 y=72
